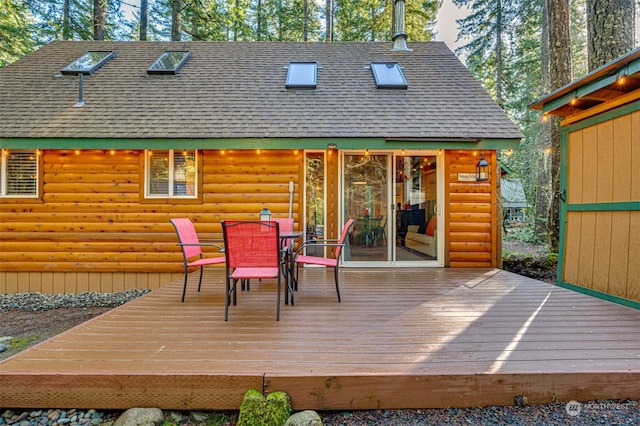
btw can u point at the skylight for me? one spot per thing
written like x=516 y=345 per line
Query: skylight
x=169 y=62
x=388 y=75
x=88 y=63
x=302 y=75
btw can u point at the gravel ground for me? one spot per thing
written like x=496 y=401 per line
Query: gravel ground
x=28 y=313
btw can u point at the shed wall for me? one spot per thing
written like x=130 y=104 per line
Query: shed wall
x=602 y=247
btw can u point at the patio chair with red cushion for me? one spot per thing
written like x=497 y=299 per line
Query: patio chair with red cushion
x=286 y=245
x=252 y=250
x=192 y=248
x=324 y=261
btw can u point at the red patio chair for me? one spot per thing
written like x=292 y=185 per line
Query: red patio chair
x=324 y=261
x=191 y=248
x=252 y=250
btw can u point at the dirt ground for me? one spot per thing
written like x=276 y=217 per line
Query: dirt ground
x=28 y=328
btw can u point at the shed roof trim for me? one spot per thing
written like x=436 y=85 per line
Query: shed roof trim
x=609 y=83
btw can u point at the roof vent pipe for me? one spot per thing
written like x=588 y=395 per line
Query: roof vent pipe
x=400 y=37
x=80 y=90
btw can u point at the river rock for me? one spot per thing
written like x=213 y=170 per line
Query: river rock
x=140 y=417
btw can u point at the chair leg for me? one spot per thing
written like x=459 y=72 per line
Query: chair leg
x=335 y=271
x=184 y=289
x=233 y=290
x=200 y=280
x=227 y=300
x=278 y=300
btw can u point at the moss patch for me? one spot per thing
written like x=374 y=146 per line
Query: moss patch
x=256 y=410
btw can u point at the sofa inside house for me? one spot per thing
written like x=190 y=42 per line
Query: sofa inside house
x=423 y=238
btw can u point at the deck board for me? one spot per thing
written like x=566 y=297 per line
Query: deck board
x=401 y=338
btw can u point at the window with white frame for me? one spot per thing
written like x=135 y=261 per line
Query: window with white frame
x=19 y=174
x=171 y=174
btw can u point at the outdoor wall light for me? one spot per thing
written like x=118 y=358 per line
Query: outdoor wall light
x=332 y=146
x=265 y=215
x=482 y=169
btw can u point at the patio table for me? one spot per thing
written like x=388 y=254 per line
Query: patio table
x=288 y=270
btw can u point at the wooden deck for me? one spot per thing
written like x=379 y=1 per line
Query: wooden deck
x=400 y=338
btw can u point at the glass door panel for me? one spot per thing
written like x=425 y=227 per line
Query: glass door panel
x=366 y=199
x=416 y=191
x=315 y=202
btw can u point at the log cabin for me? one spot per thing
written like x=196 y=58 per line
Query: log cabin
x=103 y=142
x=599 y=250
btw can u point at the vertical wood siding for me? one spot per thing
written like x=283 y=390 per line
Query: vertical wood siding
x=601 y=247
x=93 y=231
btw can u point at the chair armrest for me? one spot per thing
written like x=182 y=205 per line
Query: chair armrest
x=322 y=241
x=314 y=244
x=204 y=245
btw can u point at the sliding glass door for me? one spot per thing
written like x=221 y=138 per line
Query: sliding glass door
x=394 y=200
x=366 y=199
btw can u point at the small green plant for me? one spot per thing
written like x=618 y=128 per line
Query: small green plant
x=525 y=233
x=19 y=343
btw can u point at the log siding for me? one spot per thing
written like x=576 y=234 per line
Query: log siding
x=93 y=230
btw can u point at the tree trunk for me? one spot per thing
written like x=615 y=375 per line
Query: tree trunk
x=543 y=179
x=305 y=29
x=499 y=98
x=329 y=20
x=559 y=75
x=176 y=20
x=66 y=20
x=610 y=28
x=236 y=19
x=144 y=16
x=98 y=19
x=259 y=24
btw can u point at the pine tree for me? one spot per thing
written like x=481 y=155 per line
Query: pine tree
x=16 y=26
x=610 y=25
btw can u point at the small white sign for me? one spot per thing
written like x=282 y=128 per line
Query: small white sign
x=466 y=177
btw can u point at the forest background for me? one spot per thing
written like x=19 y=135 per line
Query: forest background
x=519 y=50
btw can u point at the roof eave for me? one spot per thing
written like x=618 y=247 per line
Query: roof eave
x=590 y=82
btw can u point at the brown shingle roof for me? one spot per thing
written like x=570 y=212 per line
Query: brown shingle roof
x=237 y=90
